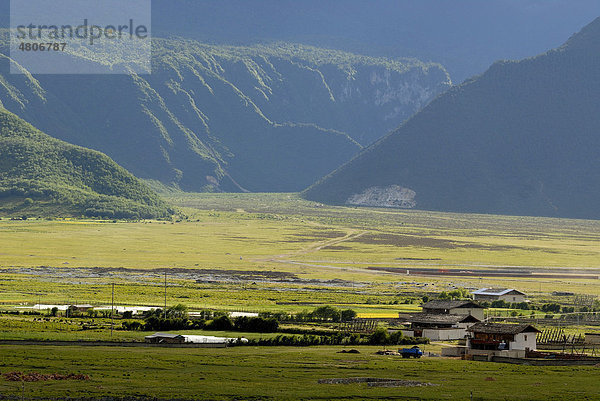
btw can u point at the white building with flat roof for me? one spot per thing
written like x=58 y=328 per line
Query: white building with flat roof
x=509 y=295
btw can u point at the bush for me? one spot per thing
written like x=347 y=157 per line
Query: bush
x=256 y=324
x=326 y=313
x=348 y=315
x=133 y=326
x=500 y=304
x=379 y=337
x=222 y=323
x=160 y=323
x=554 y=307
x=520 y=305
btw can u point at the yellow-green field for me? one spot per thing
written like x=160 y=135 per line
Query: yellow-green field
x=279 y=252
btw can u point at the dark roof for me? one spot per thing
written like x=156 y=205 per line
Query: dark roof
x=441 y=319
x=502 y=328
x=441 y=304
x=164 y=335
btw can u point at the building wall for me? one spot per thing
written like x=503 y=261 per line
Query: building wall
x=524 y=341
x=444 y=334
x=592 y=338
x=454 y=351
x=475 y=312
x=512 y=298
x=482 y=297
x=488 y=355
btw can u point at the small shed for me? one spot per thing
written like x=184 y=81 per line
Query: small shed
x=499 y=294
x=165 y=338
x=82 y=308
x=502 y=336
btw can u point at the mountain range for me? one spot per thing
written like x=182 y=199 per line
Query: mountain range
x=223 y=118
x=465 y=36
x=520 y=139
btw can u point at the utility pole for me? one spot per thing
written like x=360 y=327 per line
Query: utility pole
x=165 y=310
x=112 y=310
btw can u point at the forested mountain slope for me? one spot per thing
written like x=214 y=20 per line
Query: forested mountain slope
x=42 y=176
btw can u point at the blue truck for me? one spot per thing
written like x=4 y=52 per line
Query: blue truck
x=414 y=352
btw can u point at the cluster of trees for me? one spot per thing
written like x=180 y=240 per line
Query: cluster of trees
x=508 y=305
x=321 y=314
x=459 y=293
x=242 y=323
x=552 y=307
x=379 y=337
x=176 y=318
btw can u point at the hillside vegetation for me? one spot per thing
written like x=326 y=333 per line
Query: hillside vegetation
x=40 y=175
x=223 y=118
x=520 y=139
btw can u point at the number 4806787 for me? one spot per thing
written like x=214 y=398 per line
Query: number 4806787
x=42 y=47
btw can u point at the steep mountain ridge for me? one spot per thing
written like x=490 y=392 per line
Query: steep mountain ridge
x=519 y=139
x=466 y=36
x=224 y=118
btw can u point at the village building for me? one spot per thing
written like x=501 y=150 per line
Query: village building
x=165 y=338
x=444 y=319
x=439 y=327
x=509 y=295
x=453 y=307
x=82 y=308
x=502 y=339
x=206 y=341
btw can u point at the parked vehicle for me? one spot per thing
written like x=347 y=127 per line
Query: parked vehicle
x=414 y=352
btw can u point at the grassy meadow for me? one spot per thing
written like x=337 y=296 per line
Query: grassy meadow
x=269 y=373
x=269 y=252
x=277 y=252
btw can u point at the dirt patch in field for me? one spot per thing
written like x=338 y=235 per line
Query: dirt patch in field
x=404 y=240
x=36 y=377
x=312 y=236
x=336 y=248
x=498 y=272
x=84 y=275
x=376 y=382
x=430 y=242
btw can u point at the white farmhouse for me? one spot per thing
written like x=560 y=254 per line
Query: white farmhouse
x=509 y=295
x=502 y=337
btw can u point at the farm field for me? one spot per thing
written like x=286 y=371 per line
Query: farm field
x=277 y=252
x=270 y=373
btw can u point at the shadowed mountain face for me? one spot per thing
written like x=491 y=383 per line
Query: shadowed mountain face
x=46 y=176
x=465 y=36
x=520 y=139
x=219 y=118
